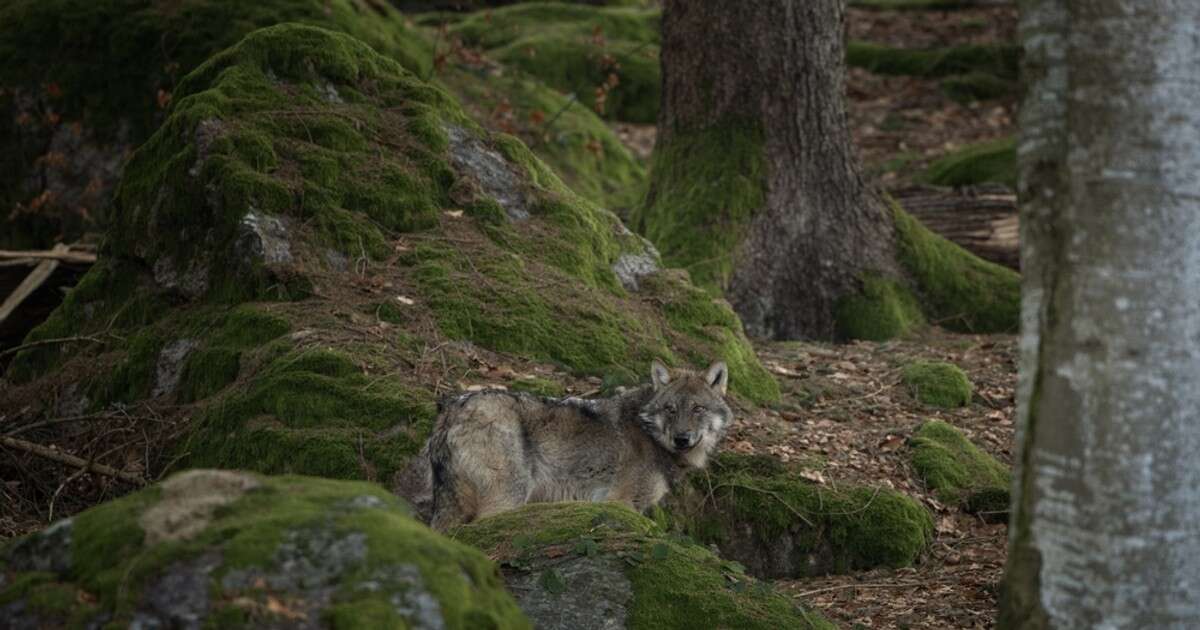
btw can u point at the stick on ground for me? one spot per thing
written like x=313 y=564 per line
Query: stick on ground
x=71 y=460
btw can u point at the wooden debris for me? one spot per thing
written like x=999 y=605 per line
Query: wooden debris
x=980 y=219
x=34 y=279
x=71 y=460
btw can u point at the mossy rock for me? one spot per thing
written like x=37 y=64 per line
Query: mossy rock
x=937 y=383
x=562 y=131
x=86 y=81
x=299 y=179
x=577 y=49
x=988 y=162
x=763 y=515
x=998 y=60
x=593 y=565
x=958 y=471
x=211 y=548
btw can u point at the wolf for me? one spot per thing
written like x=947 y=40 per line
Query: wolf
x=493 y=450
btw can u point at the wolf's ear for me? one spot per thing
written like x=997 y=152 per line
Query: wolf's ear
x=717 y=376
x=659 y=375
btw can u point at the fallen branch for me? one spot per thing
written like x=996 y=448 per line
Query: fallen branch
x=858 y=585
x=47 y=342
x=35 y=279
x=60 y=253
x=71 y=460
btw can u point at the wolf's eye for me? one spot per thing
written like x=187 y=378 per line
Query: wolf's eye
x=699 y=409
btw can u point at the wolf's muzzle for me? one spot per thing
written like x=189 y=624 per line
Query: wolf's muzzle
x=684 y=441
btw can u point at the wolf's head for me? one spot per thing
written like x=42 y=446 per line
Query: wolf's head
x=687 y=414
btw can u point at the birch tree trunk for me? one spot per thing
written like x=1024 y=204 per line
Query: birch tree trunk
x=1105 y=530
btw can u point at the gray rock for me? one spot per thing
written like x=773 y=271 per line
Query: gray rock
x=178 y=598
x=263 y=238
x=47 y=550
x=170 y=366
x=630 y=268
x=489 y=170
x=595 y=593
x=192 y=281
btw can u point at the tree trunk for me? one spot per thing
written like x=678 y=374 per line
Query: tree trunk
x=772 y=73
x=1106 y=524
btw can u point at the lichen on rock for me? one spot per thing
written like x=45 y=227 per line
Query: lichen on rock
x=223 y=549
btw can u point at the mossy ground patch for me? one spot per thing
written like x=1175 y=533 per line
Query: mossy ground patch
x=959 y=471
x=937 y=383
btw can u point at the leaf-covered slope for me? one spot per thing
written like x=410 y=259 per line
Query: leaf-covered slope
x=316 y=238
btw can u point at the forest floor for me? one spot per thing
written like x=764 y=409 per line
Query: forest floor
x=845 y=417
x=848 y=415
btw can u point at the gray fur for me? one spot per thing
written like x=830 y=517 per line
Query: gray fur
x=493 y=450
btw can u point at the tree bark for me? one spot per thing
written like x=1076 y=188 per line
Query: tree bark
x=777 y=68
x=1105 y=530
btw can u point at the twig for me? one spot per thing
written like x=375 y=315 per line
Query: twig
x=53 y=421
x=35 y=279
x=859 y=585
x=47 y=342
x=65 y=458
x=60 y=253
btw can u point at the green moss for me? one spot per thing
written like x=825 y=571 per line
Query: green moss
x=956 y=289
x=701 y=317
x=551 y=523
x=108 y=65
x=705 y=188
x=113 y=560
x=499 y=27
x=938 y=384
x=313 y=412
x=576 y=65
x=998 y=60
x=884 y=310
x=849 y=528
x=957 y=470
x=915 y=5
x=994 y=162
x=256 y=130
x=539 y=386
x=977 y=86
x=564 y=132
x=676 y=584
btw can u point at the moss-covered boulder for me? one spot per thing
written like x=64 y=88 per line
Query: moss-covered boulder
x=561 y=130
x=765 y=516
x=958 y=471
x=219 y=549
x=86 y=81
x=315 y=237
x=937 y=383
x=988 y=162
x=606 y=56
x=597 y=565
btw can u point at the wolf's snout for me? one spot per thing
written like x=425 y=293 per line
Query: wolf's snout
x=684 y=441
